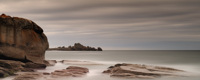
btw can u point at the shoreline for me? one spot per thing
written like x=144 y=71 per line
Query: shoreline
x=119 y=57
x=95 y=68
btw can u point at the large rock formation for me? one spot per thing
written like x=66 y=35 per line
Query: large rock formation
x=21 y=39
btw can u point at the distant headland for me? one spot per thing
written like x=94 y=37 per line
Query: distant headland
x=77 y=47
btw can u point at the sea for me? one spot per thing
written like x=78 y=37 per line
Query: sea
x=188 y=60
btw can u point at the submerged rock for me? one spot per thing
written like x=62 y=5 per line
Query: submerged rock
x=77 y=62
x=73 y=71
x=50 y=62
x=29 y=76
x=21 y=39
x=141 y=71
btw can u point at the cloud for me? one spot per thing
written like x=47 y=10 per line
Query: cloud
x=130 y=24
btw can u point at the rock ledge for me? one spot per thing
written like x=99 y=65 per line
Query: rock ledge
x=141 y=71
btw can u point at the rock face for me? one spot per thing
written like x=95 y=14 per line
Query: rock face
x=141 y=71
x=21 y=39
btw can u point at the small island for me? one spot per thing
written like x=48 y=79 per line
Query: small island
x=77 y=47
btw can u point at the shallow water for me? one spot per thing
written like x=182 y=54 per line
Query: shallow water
x=184 y=60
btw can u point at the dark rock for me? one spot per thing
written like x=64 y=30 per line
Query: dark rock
x=34 y=65
x=9 y=67
x=9 y=64
x=27 y=70
x=99 y=49
x=107 y=71
x=45 y=73
x=4 y=72
x=141 y=71
x=21 y=39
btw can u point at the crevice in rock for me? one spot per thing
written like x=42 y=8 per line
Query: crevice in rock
x=15 y=32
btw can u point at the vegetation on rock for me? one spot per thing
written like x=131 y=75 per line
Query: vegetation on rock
x=77 y=47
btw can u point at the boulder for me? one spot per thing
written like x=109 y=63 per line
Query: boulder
x=141 y=71
x=21 y=39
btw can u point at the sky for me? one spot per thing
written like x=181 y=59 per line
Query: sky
x=114 y=24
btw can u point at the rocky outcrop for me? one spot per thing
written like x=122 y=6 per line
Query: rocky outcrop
x=141 y=71
x=73 y=71
x=21 y=39
x=34 y=65
x=77 y=47
x=10 y=67
x=29 y=76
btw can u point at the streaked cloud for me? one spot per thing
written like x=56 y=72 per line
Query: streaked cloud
x=114 y=24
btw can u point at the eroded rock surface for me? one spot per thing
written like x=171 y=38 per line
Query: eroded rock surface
x=10 y=67
x=29 y=76
x=141 y=71
x=21 y=39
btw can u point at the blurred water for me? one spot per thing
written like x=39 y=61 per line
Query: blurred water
x=185 y=60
